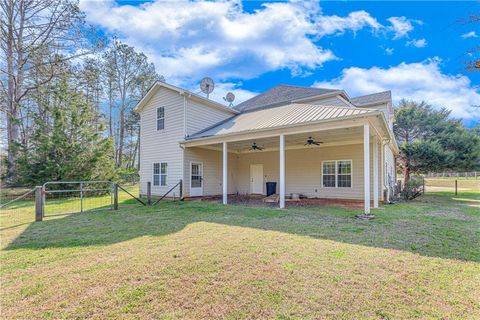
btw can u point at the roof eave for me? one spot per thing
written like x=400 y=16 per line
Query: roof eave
x=371 y=113
x=141 y=104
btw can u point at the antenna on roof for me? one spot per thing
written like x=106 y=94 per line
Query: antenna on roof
x=207 y=85
x=229 y=98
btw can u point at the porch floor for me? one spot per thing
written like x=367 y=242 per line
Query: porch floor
x=272 y=201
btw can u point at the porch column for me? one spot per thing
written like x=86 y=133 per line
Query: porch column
x=375 y=172
x=282 y=171
x=366 y=166
x=225 y=173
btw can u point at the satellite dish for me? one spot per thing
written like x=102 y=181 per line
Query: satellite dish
x=229 y=98
x=207 y=85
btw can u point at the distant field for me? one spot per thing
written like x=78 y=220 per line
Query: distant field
x=448 y=184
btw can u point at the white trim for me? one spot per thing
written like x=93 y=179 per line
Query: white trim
x=282 y=171
x=366 y=166
x=190 y=176
x=375 y=172
x=336 y=174
x=225 y=173
x=159 y=84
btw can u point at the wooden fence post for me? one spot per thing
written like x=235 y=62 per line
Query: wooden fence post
x=149 y=193
x=456 y=187
x=38 y=204
x=115 y=196
x=181 y=190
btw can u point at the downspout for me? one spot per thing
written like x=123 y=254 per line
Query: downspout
x=384 y=172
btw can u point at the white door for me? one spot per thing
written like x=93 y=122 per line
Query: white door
x=256 y=178
x=196 y=179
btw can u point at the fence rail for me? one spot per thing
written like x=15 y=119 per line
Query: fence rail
x=471 y=174
x=451 y=185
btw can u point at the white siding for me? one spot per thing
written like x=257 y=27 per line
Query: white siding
x=212 y=170
x=303 y=170
x=200 y=117
x=162 y=145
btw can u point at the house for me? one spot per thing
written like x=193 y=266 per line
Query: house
x=314 y=142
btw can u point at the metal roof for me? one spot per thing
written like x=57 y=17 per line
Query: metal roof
x=374 y=98
x=291 y=114
x=281 y=94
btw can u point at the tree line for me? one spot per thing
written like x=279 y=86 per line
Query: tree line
x=67 y=95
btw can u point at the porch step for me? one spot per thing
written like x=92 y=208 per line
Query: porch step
x=273 y=198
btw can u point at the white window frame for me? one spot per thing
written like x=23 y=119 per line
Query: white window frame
x=336 y=173
x=160 y=118
x=163 y=175
x=160 y=174
x=155 y=174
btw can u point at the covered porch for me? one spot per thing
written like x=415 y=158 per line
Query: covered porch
x=330 y=170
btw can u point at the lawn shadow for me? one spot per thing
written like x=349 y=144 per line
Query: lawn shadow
x=421 y=227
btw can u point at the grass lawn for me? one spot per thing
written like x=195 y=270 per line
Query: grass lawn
x=199 y=260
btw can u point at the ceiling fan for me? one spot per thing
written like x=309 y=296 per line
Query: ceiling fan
x=255 y=147
x=310 y=142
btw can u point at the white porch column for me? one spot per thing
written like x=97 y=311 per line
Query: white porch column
x=375 y=172
x=225 y=173
x=282 y=171
x=366 y=165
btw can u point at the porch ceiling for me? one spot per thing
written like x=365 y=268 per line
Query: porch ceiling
x=329 y=138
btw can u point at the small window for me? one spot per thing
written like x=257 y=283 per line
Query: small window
x=337 y=174
x=156 y=174
x=163 y=174
x=160 y=174
x=329 y=174
x=160 y=118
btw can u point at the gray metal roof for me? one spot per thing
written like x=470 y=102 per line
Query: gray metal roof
x=374 y=98
x=281 y=94
x=291 y=114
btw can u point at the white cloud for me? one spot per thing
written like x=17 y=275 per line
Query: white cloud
x=355 y=21
x=417 y=81
x=419 y=43
x=221 y=90
x=389 y=51
x=401 y=26
x=190 y=39
x=471 y=34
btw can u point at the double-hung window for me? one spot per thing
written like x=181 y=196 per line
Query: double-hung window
x=160 y=118
x=160 y=174
x=337 y=174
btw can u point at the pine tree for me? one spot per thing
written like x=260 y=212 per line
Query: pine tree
x=69 y=147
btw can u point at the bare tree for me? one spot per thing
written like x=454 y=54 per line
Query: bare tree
x=131 y=73
x=36 y=36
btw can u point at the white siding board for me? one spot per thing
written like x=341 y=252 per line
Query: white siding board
x=200 y=117
x=162 y=145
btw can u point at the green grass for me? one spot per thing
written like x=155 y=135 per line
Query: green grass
x=417 y=260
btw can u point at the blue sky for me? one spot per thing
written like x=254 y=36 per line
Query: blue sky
x=415 y=49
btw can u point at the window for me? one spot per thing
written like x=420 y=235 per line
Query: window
x=160 y=118
x=329 y=174
x=156 y=174
x=160 y=174
x=344 y=174
x=337 y=174
x=163 y=174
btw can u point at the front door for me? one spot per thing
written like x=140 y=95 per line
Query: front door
x=196 y=179
x=256 y=178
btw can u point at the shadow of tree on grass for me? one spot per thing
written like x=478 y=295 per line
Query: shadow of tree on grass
x=423 y=227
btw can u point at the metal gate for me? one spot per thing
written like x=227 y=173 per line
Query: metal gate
x=65 y=197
